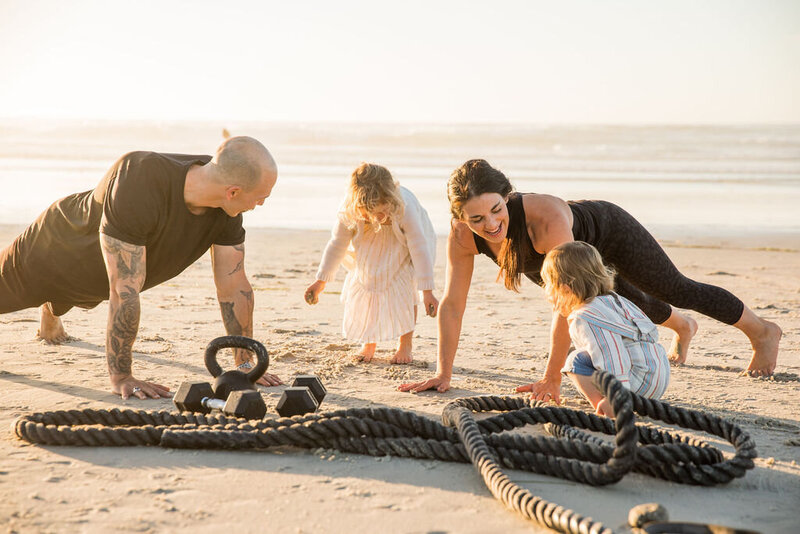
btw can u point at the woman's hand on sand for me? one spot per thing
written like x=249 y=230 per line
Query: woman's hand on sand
x=438 y=383
x=312 y=292
x=128 y=386
x=430 y=302
x=546 y=389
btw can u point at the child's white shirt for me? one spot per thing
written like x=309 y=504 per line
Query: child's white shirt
x=620 y=339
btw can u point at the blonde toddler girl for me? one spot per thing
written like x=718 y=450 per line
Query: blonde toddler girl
x=385 y=240
x=608 y=331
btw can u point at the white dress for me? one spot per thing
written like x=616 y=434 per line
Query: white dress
x=385 y=270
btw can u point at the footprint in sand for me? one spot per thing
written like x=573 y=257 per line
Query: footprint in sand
x=288 y=355
x=778 y=377
x=153 y=345
x=775 y=424
x=729 y=369
x=337 y=346
x=309 y=332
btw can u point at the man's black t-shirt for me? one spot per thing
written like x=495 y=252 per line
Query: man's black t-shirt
x=139 y=201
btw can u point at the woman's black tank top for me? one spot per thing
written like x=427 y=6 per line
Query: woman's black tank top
x=588 y=217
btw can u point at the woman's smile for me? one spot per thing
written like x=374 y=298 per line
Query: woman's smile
x=497 y=233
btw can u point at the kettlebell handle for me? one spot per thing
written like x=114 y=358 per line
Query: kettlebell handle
x=237 y=342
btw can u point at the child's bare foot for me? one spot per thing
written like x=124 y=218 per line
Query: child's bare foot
x=685 y=329
x=367 y=352
x=51 y=329
x=765 y=351
x=403 y=353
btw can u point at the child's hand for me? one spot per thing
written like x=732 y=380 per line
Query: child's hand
x=312 y=292
x=604 y=408
x=430 y=302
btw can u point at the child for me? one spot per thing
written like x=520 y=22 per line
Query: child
x=391 y=255
x=608 y=331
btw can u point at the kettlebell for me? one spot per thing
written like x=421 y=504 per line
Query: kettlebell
x=235 y=380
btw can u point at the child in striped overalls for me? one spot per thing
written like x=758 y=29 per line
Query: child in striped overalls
x=608 y=331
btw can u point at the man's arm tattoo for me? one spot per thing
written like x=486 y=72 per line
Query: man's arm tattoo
x=122 y=329
x=232 y=325
x=128 y=258
x=240 y=264
x=127 y=272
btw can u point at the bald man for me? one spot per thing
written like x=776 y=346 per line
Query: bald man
x=148 y=219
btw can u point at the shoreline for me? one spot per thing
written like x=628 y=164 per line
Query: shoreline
x=784 y=241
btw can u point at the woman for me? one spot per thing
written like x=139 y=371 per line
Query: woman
x=517 y=230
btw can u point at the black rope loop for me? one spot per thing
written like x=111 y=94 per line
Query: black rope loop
x=569 y=451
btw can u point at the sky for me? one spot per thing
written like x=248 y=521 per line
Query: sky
x=528 y=61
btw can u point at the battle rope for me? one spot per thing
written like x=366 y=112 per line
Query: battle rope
x=572 y=454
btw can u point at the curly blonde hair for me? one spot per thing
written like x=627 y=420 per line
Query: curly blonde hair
x=370 y=186
x=578 y=266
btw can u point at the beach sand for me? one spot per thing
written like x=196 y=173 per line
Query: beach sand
x=504 y=344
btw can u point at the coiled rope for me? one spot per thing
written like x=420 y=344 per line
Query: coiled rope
x=571 y=454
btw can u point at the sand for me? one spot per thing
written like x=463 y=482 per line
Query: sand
x=504 y=344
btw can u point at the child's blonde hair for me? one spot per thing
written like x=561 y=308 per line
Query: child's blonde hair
x=579 y=267
x=370 y=186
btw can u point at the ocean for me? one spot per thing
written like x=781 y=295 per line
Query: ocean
x=687 y=184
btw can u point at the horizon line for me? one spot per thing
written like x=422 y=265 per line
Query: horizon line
x=388 y=122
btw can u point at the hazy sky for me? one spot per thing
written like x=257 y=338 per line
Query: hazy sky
x=592 y=61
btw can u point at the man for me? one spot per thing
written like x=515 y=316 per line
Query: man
x=148 y=219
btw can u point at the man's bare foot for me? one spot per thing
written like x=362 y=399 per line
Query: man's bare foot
x=685 y=329
x=367 y=352
x=765 y=350
x=51 y=329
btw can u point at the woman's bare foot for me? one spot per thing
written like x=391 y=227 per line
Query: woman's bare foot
x=367 y=352
x=765 y=350
x=403 y=353
x=685 y=328
x=51 y=329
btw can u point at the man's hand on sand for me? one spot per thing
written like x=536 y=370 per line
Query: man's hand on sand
x=129 y=386
x=439 y=384
x=268 y=380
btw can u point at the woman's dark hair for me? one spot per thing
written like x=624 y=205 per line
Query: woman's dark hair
x=472 y=179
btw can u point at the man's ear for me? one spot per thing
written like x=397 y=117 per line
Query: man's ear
x=232 y=192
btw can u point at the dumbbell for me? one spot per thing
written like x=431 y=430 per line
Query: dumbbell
x=199 y=397
x=234 y=392
x=304 y=396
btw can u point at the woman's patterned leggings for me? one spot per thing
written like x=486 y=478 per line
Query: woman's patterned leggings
x=647 y=276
